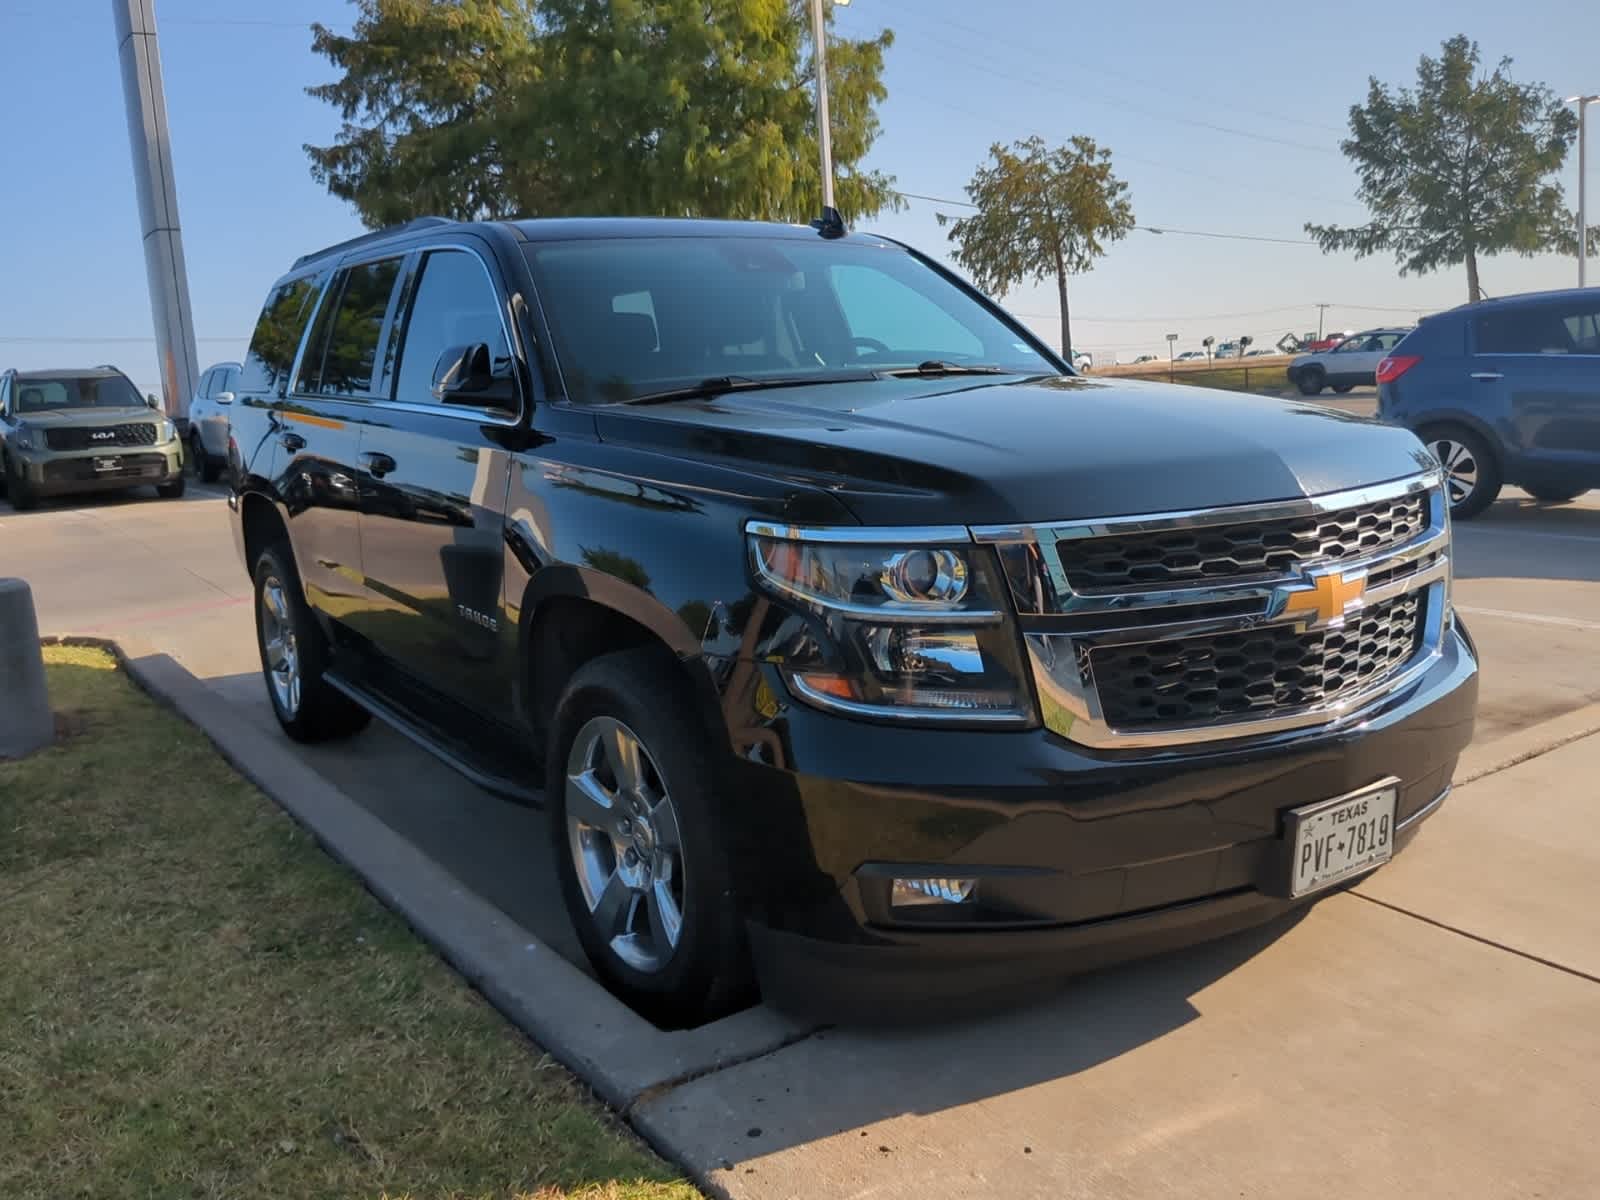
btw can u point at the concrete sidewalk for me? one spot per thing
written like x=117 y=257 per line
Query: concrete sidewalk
x=1361 y=1051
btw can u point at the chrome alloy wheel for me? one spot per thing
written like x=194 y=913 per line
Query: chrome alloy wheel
x=622 y=830
x=1460 y=468
x=277 y=639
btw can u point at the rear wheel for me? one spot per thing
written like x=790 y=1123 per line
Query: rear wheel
x=1545 y=494
x=1311 y=381
x=1471 y=472
x=1342 y=388
x=294 y=656
x=642 y=855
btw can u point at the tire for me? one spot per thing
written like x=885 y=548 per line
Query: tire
x=1546 y=494
x=1472 y=472
x=18 y=490
x=1311 y=381
x=620 y=876
x=1342 y=388
x=206 y=469
x=173 y=490
x=308 y=707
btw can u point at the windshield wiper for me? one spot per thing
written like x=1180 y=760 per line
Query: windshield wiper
x=935 y=366
x=719 y=385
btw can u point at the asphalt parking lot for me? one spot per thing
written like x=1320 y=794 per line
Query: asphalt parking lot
x=1435 y=1032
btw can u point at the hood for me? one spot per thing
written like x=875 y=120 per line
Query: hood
x=983 y=451
x=55 y=418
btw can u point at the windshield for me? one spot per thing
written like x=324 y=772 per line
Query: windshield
x=636 y=316
x=95 y=391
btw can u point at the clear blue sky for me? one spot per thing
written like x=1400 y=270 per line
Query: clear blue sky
x=1159 y=83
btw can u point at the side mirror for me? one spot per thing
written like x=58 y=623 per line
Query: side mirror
x=151 y=400
x=465 y=375
x=223 y=397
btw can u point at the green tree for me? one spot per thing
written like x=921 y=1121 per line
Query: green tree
x=1041 y=212
x=496 y=108
x=1457 y=167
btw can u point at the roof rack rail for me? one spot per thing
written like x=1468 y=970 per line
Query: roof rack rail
x=363 y=239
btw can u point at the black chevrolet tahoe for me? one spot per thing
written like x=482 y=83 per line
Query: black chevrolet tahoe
x=853 y=644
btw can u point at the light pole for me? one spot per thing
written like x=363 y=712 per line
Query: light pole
x=1172 y=371
x=819 y=37
x=1583 y=103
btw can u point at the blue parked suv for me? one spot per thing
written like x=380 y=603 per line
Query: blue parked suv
x=1504 y=391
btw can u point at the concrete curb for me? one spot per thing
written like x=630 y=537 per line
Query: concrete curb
x=583 y=1026
x=1483 y=759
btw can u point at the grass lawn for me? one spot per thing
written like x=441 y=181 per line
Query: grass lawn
x=196 y=1001
x=1270 y=377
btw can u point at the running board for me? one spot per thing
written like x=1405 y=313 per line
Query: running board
x=404 y=723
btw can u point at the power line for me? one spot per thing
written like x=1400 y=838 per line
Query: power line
x=14 y=339
x=1160 y=229
x=1144 y=83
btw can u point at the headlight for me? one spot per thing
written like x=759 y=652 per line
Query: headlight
x=901 y=631
x=24 y=437
x=169 y=431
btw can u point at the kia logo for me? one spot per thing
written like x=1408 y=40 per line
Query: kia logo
x=103 y=435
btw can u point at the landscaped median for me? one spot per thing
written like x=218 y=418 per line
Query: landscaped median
x=196 y=1000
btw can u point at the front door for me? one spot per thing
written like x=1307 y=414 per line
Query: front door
x=433 y=495
x=1354 y=362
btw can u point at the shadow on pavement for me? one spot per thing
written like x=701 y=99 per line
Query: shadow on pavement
x=1520 y=538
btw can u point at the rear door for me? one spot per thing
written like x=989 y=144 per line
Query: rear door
x=1544 y=362
x=433 y=490
x=320 y=424
x=1354 y=363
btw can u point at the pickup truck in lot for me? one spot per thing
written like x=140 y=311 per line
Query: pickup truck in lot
x=853 y=644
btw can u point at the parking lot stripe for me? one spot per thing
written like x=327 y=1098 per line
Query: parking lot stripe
x=1531 y=618
x=1521 y=534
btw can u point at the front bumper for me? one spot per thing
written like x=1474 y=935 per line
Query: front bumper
x=1083 y=858
x=57 y=473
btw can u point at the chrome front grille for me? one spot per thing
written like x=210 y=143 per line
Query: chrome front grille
x=1181 y=628
x=1239 y=549
x=1220 y=676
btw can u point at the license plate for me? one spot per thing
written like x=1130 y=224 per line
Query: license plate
x=1335 y=839
x=107 y=464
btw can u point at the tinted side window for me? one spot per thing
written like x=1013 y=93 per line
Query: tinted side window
x=277 y=335
x=205 y=385
x=353 y=328
x=1583 y=326
x=1523 y=331
x=453 y=304
x=228 y=381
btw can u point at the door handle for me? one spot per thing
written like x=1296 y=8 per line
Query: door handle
x=378 y=463
x=1487 y=376
x=292 y=441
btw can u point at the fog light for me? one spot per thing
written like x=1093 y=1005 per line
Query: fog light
x=907 y=892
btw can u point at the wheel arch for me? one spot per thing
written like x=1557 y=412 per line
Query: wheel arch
x=1444 y=418
x=571 y=615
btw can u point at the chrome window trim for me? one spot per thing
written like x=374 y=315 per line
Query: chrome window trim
x=1058 y=644
x=862 y=535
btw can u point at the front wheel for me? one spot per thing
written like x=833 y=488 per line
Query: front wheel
x=1471 y=472
x=1545 y=494
x=1311 y=381
x=171 y=491
x=205 y=467
x=18 y=490
x=294 y=656
x=636 y=826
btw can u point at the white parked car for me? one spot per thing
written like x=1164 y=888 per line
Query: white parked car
x=1350 y=364
x=208 y=420
x=1192 y=356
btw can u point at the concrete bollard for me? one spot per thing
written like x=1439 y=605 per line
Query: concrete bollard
x=26 y=723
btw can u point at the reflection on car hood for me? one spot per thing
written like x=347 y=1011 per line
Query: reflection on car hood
x=90 y=416
x=985 y=451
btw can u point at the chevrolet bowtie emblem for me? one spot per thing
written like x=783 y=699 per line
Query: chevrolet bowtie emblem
x=1329 y=597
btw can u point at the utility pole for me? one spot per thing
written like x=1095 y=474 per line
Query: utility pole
x=144 y=97
x=1583 y=103
x=819 y=36
x=1321 y=309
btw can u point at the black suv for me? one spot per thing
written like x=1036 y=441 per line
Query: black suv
x=855 y=644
